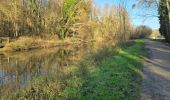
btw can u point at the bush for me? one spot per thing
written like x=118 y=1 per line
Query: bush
x=141 y=32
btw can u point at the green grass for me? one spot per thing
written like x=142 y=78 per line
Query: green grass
x=115 y=76
x=109 y=74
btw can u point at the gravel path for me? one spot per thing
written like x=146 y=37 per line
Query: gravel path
x=156 y=81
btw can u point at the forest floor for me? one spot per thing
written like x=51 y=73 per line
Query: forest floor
x=156 y=72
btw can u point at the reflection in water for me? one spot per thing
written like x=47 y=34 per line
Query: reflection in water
x=17 y=69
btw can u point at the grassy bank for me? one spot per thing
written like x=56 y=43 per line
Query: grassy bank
x=109 y=74
x=29 y=43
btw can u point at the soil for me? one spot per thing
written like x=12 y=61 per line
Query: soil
x=156 y=80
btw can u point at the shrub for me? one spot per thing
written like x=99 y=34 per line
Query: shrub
x=141 y=32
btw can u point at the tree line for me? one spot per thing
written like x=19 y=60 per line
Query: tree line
x=63 y=19
x=163 y=8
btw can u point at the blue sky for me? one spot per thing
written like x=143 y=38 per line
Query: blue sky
x=135 y=14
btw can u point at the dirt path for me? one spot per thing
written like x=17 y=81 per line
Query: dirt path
x=156 y=82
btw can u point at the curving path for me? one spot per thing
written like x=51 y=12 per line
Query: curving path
x=156 y=81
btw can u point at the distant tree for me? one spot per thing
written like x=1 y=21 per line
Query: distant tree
x=163 y=7
x=141 y=32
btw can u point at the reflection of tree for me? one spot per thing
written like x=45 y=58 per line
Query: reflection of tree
x=19 y=68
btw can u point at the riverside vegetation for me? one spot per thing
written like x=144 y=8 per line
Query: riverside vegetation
x=109 y=69
x=35 y=24
x=52 y=21
x=109 y=73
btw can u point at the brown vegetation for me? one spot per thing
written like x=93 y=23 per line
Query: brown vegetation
x=62 y=19
x=141 y=32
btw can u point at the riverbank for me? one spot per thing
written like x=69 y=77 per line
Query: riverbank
x=109 y=73
x=29 y=43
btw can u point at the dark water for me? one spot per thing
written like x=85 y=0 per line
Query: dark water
x=19 y=68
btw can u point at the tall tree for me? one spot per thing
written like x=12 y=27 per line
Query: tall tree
x=163 y=7
x=164 y=18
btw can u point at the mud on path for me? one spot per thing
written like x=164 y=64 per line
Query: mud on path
x=156 y=81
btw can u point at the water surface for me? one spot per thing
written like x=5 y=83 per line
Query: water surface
x=17 y=69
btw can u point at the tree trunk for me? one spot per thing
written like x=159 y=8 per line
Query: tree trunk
x=168 y=19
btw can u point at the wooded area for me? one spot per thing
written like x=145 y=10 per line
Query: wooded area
x=71 y=18
x=64 y=18
x=163 y=9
